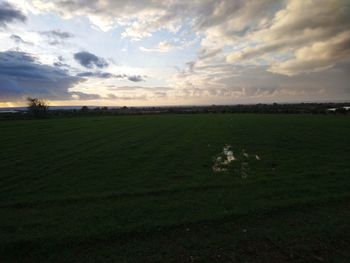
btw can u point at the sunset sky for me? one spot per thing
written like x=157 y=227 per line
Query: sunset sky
x=175 y=52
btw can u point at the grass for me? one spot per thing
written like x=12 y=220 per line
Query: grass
x=142 y=189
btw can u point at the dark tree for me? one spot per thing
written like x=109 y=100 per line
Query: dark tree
x=37 y=107
x=84 y=109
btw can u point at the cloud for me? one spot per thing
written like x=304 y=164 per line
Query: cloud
x=9 y=14
x=252 y=30
x=208 y=53
x=59 y=64
x=241 y=84
x=56 y=37
x=22 y=75
x=316 y=57
x=89 y=60
x=138 y=92
x=164 y=46
x=302 y=37
x=102 y=75
x=148 y=95
x=84 y=96
x=141 y=18
x=133 y=88
x=108 y=75
x=136 y=78
x=58 y=34
x=112 y=96
x=17 y=39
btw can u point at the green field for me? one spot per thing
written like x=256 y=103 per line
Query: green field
x=142 y=189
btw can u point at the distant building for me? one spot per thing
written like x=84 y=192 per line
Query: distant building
x=334 y=109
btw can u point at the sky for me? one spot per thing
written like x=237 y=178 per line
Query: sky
x=174 y=52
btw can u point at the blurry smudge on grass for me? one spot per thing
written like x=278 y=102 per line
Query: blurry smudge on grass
x=238 y=164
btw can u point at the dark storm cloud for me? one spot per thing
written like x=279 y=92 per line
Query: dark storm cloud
x=89 y=60
x=136 y=78
x=9 y=14
x=22 y=75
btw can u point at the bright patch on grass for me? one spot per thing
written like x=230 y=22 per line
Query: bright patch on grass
x=224 y=162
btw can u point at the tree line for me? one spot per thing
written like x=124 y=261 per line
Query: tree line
x=39 y=108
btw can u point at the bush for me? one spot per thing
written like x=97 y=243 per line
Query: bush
x=37 y=107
